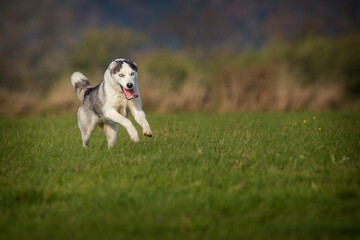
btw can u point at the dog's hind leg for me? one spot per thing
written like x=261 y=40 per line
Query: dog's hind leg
x=87 y=125
x=86 y=134
x=110 y=131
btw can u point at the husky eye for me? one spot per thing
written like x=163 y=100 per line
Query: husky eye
x=121 y=75
x=132 y=74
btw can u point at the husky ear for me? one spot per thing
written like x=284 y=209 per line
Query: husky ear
x=132 y=64
x=115 y=66
x=132 y=61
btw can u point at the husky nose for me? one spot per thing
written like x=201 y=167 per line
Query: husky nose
x=129 y=85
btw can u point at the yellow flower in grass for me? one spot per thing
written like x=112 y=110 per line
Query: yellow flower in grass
x=319 y=129
x=314 y=117
x=304 y=121
x=295 y=124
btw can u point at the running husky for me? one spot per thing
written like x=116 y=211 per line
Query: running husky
x=105 y=105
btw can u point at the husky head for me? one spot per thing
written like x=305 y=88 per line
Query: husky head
x=124 y=72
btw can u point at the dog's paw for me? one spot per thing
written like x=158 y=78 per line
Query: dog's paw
x=135 y=138
x=148 y=133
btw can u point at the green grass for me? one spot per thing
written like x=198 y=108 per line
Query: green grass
x=202 y=176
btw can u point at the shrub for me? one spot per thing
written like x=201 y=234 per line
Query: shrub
x=100 y=46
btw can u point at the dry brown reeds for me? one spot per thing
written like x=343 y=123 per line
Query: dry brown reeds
x=263 y=88
x=174 y=82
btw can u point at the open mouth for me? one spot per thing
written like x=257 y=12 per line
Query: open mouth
x=129 y=93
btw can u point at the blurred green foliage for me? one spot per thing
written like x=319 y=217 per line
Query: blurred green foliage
x=99 y=47
x=316 y=58
x=311 y=59
x=169 y=67
x=348 y=62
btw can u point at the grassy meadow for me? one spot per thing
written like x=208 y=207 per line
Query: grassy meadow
x=202 y=176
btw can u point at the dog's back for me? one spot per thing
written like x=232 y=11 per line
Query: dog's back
x=94 y=99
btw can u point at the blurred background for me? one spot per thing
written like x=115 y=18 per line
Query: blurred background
x=193 y=55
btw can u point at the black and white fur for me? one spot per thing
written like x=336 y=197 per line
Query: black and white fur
x=106 y=104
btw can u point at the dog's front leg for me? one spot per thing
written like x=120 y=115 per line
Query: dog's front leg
x=116 y=117
x=140 y=118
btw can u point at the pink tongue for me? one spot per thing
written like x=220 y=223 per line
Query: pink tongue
x=129 y=94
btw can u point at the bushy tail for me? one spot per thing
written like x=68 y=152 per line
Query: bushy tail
x=80 y=83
